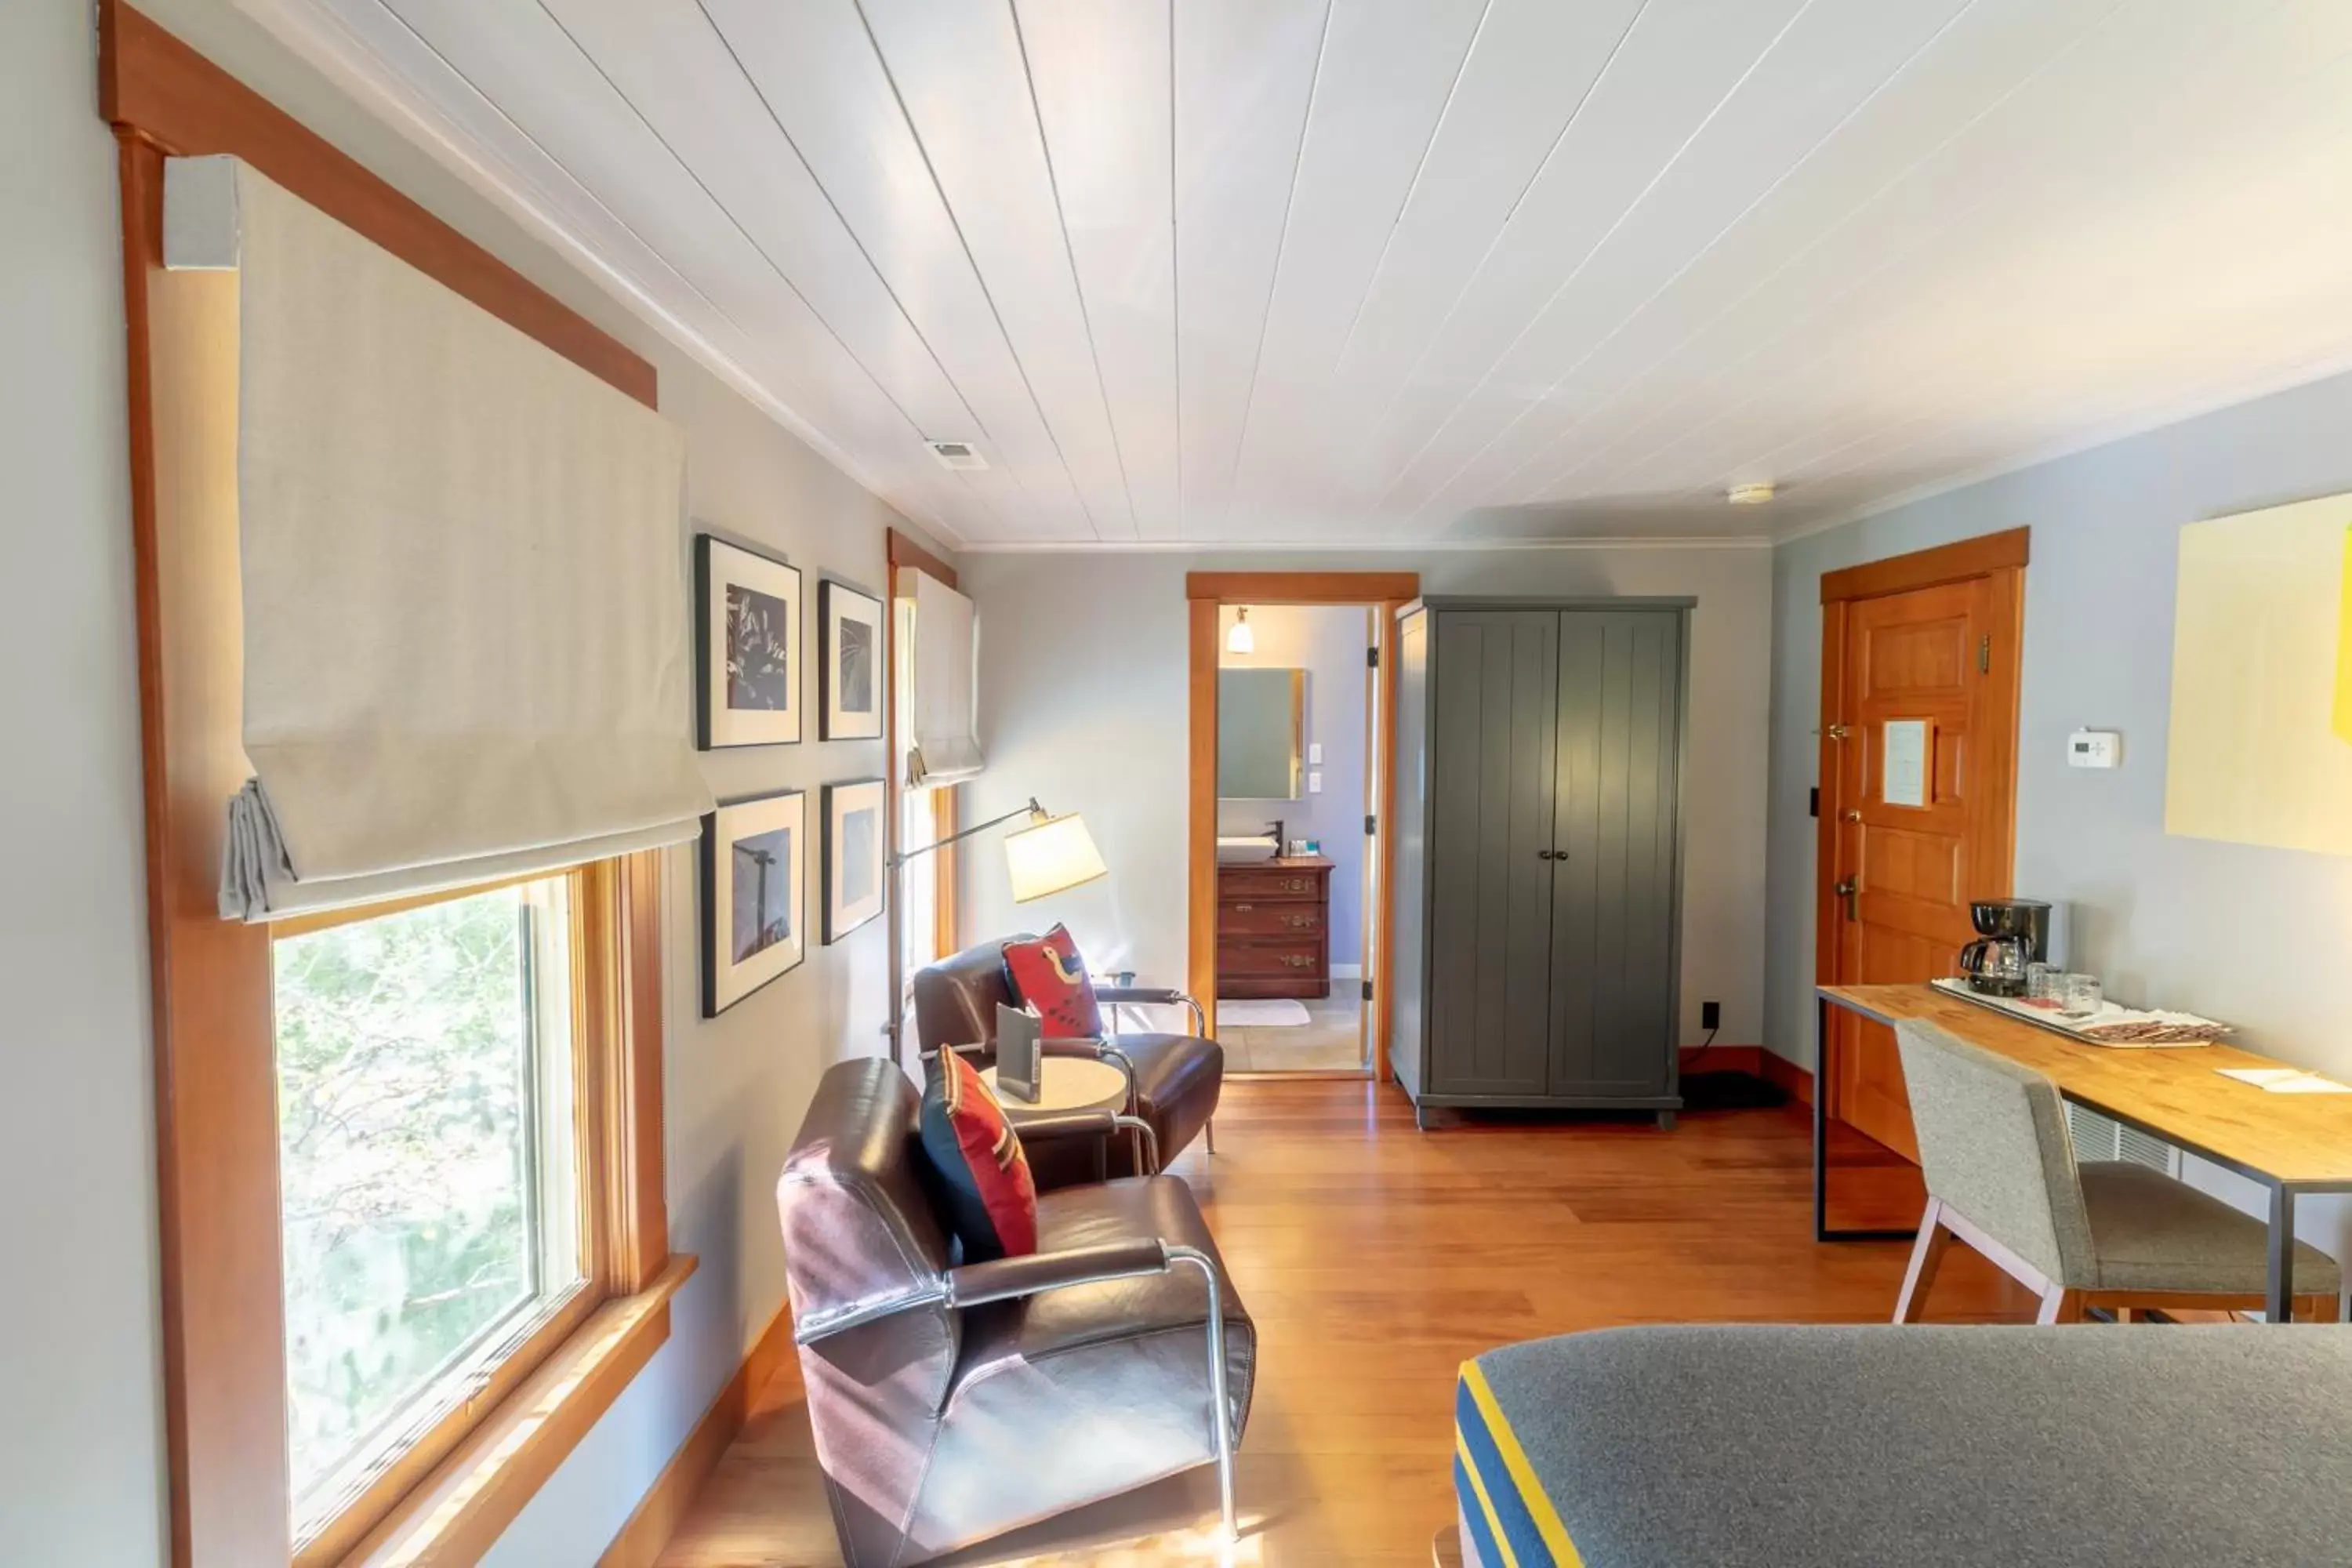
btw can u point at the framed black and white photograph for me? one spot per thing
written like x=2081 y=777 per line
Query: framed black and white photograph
x=747 y=624
x=849 y=663
x=754 y=910
x=853 y=855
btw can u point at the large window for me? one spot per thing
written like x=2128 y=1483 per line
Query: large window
x=429 y=1180
x=450 y=1074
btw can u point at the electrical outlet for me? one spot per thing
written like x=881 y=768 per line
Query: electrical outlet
x=1315 y=780
x=1710 y=1014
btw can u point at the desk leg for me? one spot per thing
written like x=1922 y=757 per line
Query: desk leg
x=1821 y=1068
x=2281 y=1308
x=1821 y=1119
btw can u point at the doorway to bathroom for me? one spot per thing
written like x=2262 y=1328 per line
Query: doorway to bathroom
x=1292 y=732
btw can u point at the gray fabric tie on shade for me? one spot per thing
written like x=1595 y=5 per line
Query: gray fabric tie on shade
x=462 y=564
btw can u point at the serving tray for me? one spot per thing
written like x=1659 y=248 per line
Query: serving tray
x=2111 y=1017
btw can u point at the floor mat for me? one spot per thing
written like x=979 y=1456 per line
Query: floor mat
x=1280 y=1013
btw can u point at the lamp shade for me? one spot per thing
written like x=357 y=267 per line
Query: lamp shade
x=1051 y=856
x=1239 y=638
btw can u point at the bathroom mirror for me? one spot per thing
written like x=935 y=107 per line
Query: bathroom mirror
x=1260 y=715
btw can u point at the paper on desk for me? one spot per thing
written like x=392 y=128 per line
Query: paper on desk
x=2286 y=1080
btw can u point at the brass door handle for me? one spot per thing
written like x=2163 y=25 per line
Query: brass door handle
x=1851 y=891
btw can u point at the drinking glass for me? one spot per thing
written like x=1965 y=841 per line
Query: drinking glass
x=2083 y=995
x=2043 y=982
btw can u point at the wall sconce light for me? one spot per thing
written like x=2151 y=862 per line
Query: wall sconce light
x=1241 y=639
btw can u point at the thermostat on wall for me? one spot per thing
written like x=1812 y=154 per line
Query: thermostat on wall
x=2095 y=748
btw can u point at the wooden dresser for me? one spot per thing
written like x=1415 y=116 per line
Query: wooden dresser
x=1274 y=927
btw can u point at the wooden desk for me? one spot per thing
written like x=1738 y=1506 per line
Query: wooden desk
x=2292 y=1143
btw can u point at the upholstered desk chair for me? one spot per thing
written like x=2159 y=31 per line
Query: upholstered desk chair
x=2001 y=1176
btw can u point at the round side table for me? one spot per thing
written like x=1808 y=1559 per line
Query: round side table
x=1064 y=1085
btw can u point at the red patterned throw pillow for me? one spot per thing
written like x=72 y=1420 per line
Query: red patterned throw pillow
x=985 y=1186
x=1049 y=978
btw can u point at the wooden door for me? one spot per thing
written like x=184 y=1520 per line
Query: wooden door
x=1492 y=760
x=1919 y=746
x=1615 y=834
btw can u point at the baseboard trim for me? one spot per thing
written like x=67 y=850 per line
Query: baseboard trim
x=1757 y=1062
x=666 y=1502
x=1794 y=1081
x=1723 y=1058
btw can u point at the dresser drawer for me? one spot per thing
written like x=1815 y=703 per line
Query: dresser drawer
x=1268 y=883
x=1276 y=918
x=1270 y=960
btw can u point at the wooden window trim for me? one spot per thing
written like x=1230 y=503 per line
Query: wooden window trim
x=217 y=1136
x=1206 y=595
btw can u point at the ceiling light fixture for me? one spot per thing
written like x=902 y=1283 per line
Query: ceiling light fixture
x=1241 y=639
x=1749 y=495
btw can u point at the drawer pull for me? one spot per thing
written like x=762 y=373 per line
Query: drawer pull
x=1243 y=909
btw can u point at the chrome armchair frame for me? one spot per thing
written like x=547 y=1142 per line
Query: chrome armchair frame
x=1009 y=1278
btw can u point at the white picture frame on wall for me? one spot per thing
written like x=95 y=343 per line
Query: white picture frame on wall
x=746 y=642
x=754 y=896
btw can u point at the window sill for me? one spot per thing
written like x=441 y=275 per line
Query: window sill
x=458 y=1511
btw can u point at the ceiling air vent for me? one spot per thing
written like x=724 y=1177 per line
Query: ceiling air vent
x=956 y=455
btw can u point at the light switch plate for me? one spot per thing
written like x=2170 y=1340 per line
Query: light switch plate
x=1315 y=780
x=2095 y=748
x=1314 y=751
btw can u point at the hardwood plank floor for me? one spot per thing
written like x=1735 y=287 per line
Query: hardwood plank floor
x=1375 y=1260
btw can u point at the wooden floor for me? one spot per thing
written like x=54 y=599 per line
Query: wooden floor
x=1375 y=1259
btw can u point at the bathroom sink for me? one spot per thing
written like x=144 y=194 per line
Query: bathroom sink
x=1235 y=851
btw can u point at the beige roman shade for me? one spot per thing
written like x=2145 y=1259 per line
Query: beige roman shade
x=462 y=571
x=943 y=731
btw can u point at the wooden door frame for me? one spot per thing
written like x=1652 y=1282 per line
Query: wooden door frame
x=1207 y=594
x=1999 y=558
x=903 y=551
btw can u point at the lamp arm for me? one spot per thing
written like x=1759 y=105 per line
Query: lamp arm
x=903 y=856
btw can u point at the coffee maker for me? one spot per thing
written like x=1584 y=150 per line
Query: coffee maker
x=2012 y=933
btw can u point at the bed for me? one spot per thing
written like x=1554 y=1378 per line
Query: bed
x=1680 y=1447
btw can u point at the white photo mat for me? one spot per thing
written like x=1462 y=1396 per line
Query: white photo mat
x=747 y=647
x=754 y=896
x=855 y=821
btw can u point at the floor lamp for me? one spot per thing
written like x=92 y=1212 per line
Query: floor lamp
x=1050 y=855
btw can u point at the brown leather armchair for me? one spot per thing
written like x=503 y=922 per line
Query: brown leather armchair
x=951 y=1404
x=1177 y=1078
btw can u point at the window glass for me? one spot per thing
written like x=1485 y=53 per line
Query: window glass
x=429 y=1186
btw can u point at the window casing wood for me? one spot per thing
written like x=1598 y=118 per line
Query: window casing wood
x=217 y=1132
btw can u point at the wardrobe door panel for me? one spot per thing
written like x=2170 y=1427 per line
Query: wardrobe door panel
x=1613 y=906
x=1492 y=763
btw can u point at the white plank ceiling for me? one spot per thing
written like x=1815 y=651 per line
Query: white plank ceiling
x=1402 y=271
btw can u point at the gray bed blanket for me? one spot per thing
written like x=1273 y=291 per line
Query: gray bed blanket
x=2147 y=1446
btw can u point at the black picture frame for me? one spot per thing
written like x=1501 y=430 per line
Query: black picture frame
x=738 y=961
x=839 y=605
x=839 y=917
x=720 y=722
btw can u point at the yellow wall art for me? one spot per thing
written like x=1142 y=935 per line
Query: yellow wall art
x=2261 y=748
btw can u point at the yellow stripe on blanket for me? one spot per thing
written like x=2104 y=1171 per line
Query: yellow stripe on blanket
x=1485 y=1503
x=1522 y=1474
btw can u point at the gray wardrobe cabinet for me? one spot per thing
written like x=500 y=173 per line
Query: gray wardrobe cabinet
x=1538 y=809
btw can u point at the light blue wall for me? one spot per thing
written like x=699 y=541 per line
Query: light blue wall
x=81 y=1463
x=80 y=1355
x=2260 y=937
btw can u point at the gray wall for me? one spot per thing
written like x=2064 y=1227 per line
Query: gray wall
x=2260 y=937
x=1083 y=701
x=81 y=1467
x=1327 y=641
x=81 y=1449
